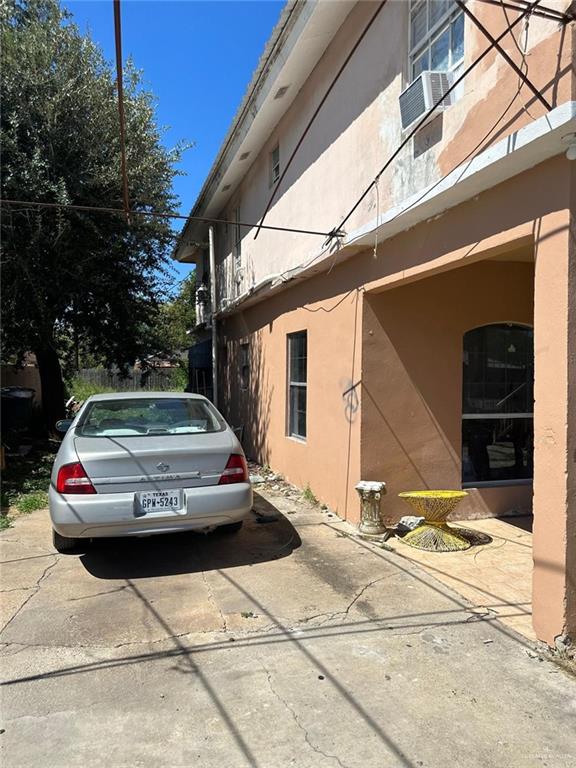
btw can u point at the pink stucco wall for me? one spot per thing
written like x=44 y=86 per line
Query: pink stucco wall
x=384 y=368
x=385 y=329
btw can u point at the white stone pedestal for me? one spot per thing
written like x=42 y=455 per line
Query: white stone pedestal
x=370 y=492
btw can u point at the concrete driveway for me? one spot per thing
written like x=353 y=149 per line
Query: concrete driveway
x=290 y=644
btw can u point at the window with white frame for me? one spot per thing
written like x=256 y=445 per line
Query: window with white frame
x=297 y=383
x=275 y=165
x=436 y=36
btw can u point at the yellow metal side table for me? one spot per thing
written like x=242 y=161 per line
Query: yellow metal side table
x=434 y=534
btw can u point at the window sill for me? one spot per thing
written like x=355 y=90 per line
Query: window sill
x=296 y=439
x=496 y=483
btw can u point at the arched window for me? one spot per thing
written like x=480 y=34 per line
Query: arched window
x=497 y=405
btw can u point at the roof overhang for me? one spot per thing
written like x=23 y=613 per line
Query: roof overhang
x=297 y=43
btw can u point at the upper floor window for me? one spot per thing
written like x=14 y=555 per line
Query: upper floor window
x=497 y=405
x=275 y=165
x=436 y=36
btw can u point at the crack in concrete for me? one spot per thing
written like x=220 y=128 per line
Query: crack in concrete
x=107 y=647
x=94 y=647
x=328 y=616
x=7 y=651
x=34 y=591
x=155 y=642
x=60 y=646
x=364 y=589
x=241 y=637
x=214 y=602
x=290 y=709
x=97 y=594
x=21 y=559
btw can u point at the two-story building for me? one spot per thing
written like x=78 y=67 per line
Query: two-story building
x=410 y=314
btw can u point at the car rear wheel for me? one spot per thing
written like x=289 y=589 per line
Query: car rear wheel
x=65 y=545
x=230 y=528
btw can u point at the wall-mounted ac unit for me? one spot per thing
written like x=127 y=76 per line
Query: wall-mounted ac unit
x=422 y=94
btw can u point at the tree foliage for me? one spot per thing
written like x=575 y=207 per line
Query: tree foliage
x=94 y=277
x=176 y=319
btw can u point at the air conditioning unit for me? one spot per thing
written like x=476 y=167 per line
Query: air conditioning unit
x=422 y=94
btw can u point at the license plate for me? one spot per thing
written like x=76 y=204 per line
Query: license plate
x=160 y=501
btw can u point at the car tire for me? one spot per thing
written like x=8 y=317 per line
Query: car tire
x=65 y=545
x=230 y=528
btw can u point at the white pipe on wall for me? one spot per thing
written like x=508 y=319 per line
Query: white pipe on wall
x=213 y=320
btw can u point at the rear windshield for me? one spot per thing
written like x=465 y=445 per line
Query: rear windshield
x=148 y=416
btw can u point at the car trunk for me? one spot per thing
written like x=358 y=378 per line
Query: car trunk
x=154 y=462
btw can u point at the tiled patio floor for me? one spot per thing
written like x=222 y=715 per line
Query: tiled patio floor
x=495 y=576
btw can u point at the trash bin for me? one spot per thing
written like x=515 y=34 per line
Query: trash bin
x=16 y=408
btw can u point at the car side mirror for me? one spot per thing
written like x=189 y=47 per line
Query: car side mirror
x=63 y=425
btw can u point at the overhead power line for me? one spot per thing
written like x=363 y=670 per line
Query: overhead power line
x=504 y=54
x=468 y=159
x=315 y=114
x=551 y=14
x=568 y=15
x=120 y=86
x=420 y=123
x=32 y=204
x=263 y=71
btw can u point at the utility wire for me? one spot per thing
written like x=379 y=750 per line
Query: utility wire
x=262 y=74
x=424 y=119
x=468 y=160
x=522 y=50
x=120 y=86
x=517 y=45
x=32 y=204
x=334 y=306
x=551 y=14
x=509 y=60
x=315 y=114
x=562 y=16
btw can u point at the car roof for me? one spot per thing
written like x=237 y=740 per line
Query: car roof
x=144 y=395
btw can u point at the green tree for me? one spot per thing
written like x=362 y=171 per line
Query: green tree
x=176 y=319
x=92 y=277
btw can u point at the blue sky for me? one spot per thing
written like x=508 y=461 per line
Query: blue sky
x=197 y=58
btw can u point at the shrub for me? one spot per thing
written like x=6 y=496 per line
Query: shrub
x=30 y=502
x=82 y=390
x=308 y=495
x=5 y=521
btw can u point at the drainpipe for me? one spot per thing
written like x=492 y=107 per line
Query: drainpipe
x=213 y=318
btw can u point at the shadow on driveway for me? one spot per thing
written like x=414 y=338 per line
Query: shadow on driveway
x=262 y=539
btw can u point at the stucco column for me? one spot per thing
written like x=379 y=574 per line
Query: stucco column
x=554 y=580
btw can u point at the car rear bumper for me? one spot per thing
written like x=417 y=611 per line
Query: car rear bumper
x=115 y=514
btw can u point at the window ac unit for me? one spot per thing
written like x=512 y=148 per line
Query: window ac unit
x=422 y=94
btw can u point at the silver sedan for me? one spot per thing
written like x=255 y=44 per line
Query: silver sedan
x=134 y=464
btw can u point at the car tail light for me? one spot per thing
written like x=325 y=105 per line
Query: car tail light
x=236 y=470
x=72 y=478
